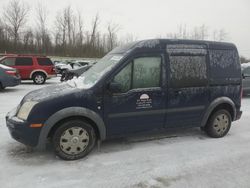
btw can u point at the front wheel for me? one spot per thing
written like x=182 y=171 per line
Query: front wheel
x=218 y=124
x=39 y=78
x=74 y=139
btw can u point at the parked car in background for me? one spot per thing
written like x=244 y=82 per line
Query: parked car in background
x=143 y=87
x=56 y=62
x=31 y=67
x=69 y=74
x=9 y=77
x=62 y=67
x=245 y=68
x=83 y=63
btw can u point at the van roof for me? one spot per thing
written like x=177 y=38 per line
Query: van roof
x=161 y=44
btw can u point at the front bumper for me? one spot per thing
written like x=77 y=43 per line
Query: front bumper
x=21 y=132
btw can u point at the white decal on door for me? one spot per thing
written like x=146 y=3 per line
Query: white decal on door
x=144 y=102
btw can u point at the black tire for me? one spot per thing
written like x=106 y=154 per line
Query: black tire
x=1 y=87
x=218 y=124
x=39 y=78
x=65 y=147
x=63 y=75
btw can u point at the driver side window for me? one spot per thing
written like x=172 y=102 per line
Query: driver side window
x=142 y=72
x=124 y=78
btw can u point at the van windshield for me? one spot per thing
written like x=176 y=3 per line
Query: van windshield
x=95 y=73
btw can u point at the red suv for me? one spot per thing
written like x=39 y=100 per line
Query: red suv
x=31 y=67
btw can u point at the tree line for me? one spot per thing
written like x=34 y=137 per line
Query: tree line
x=69 y=36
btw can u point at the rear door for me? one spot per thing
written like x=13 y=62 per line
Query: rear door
x=188 y=93
x=24 y=66
x=141 y=103
x=46 y=65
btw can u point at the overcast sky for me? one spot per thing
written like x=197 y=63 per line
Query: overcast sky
x=151 y=18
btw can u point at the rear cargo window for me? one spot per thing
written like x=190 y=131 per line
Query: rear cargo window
x=224 y=64
x=188 y=71
x=44 y=61
x=23 y=61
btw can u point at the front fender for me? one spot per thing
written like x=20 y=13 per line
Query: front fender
x=66 y=113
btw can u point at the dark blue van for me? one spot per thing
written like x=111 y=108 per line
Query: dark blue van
x=143 y=86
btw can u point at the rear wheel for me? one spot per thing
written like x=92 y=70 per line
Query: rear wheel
x=218 y=124
x=39 y=78
x=73 y=140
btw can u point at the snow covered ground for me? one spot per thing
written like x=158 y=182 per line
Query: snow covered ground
x=184 y=158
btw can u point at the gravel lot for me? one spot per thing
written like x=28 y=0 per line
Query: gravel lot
x=180 y=158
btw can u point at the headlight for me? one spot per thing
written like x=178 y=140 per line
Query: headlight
x=25 y=109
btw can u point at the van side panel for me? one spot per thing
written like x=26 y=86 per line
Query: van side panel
x=188 y=91
x=225 y=74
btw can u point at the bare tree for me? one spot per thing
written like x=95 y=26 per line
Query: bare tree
x=28 y=39
x=16 y=17
x=94 y=30
x=112 y=35
x=200 y=33
x=203 y=32
x=183 y=34
x=68 y=16
x=80 y=29
x=61 y=29
x=2 y=31
x=220 y=35
x=42 y=31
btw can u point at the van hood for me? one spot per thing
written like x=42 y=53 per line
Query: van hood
x=50 y=92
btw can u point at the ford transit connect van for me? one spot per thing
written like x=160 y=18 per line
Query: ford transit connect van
x=143 y=86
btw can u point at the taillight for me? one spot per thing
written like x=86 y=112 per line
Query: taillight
x=17 y=73
x=11 y=72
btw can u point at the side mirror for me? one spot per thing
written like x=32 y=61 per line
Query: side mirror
x=114 y=87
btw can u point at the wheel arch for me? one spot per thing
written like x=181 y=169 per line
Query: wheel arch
x=36 y=71
x=219 y=103
x=83 y=118
x=54 y=121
